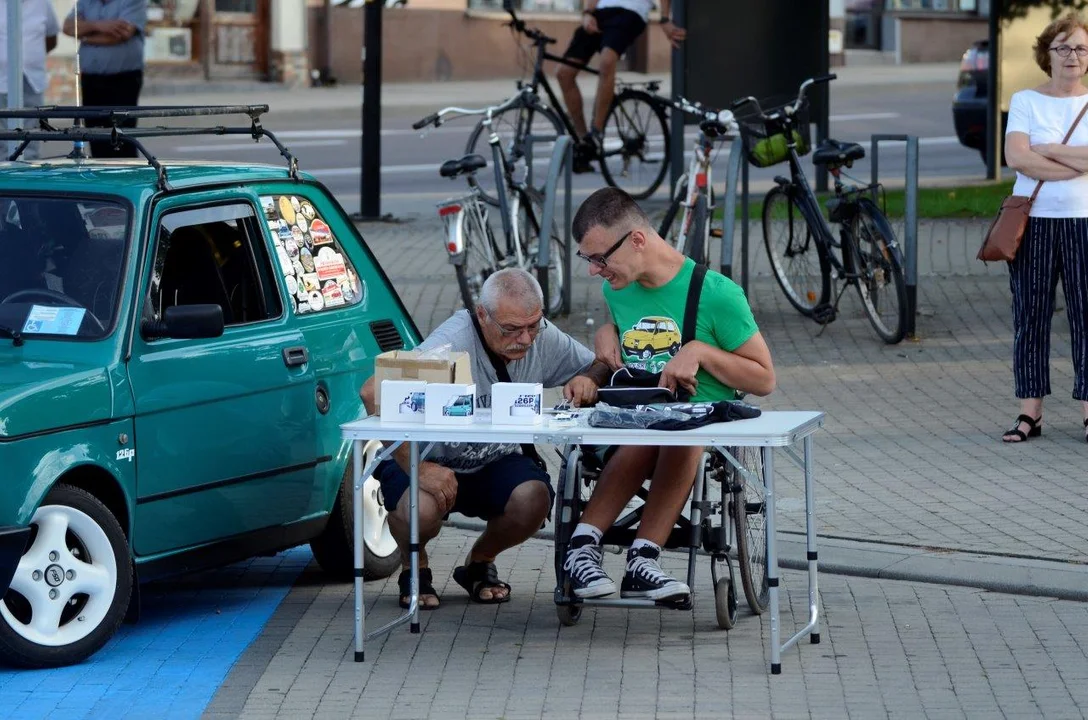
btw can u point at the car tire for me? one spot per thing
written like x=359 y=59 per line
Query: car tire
x=647 y=353
x=674 y=348
x=76 y=545
x=334 y=547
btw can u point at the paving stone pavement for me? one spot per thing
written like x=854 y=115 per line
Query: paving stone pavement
x=910 y=452
x=888 y=649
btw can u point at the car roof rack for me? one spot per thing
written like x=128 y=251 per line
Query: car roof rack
x=109 y=127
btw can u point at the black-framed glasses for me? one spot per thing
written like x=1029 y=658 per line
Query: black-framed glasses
x=1065 y=50
x=601 y=259
x=533 y=328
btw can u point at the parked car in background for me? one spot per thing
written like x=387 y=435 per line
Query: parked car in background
x=179 y=345
x=971 y=98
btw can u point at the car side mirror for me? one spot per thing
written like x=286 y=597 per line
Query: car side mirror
x=185 y=322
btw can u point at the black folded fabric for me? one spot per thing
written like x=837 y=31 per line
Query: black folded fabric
x=697 y=415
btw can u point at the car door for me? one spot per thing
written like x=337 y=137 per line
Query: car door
x=225 y=435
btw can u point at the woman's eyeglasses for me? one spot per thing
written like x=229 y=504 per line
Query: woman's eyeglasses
x=1065 y=50
x=601 y=259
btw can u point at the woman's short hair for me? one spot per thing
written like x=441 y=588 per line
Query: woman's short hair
x=1065 y=26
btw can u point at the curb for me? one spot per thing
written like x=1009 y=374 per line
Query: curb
x=856 y=558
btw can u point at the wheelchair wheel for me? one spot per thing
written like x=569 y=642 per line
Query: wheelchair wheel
x=748 y=509
x=569 y=615
x=725 y=594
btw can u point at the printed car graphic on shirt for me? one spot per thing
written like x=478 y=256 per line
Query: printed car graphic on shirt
x=652 y=335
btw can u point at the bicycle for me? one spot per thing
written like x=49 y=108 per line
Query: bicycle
x=473 y=248
x=794 y=228
x=692 y=235
x=636 y=134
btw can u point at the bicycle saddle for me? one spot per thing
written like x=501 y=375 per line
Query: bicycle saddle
x=833 y=152
x=467 y=164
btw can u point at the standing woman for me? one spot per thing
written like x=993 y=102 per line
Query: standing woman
x=1055 y=244
x=111 y=59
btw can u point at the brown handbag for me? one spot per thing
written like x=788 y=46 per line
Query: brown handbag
x=1007 y=230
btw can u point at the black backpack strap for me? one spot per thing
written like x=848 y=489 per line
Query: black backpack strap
x=691 y=310
x=527 y=449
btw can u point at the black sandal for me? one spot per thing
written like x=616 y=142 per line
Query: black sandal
x=1035 y=426
x=478 y=576
x=404 y=582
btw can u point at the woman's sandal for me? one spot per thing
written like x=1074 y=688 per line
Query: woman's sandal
x=404 y=582
x=1035 y=429
x=478 y=576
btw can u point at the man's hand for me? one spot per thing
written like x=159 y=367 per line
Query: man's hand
x=674 y=34
x=438 y=482
x=581 y=391
x=680 y=371
x=606 y=347
x=589 y=24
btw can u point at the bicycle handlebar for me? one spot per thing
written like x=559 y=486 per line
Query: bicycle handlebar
x=519 y=25
x=430 y=119
x=436 y=118
x=789 y=109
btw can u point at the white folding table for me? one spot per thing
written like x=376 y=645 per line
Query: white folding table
x=773 y=429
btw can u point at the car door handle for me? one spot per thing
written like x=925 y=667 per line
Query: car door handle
x=295 y=356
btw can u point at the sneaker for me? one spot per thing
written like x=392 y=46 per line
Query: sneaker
x=583 y=159
x=583 y=564
x=645 y=579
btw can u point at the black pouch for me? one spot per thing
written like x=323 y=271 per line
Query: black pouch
x=632 y=386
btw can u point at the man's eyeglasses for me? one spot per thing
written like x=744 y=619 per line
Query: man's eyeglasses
x=514 y=330
x=601 y=259
x=1065 y=50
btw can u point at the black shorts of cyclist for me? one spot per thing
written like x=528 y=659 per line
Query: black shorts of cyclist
x=618 y=29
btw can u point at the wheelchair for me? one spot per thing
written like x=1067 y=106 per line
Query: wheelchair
x=726 y=519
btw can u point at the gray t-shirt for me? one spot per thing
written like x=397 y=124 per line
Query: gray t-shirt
x=553 y=359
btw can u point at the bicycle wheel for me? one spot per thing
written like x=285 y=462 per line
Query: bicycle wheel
x=481 y=256
x=748 y=509
x=799 y=264
x=697 y=242
x=530 y=214
x=513 y=126
x=668 y=228
x=636 y=144
x=879 y=264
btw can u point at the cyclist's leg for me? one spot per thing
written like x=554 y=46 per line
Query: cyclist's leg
x=619 y=28
x=582 y=47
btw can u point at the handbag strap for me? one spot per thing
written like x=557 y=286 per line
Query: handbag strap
x=1064 y=141
x=691 y=309
x=527 y=449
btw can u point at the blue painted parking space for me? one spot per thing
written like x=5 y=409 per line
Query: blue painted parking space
x=169 y=664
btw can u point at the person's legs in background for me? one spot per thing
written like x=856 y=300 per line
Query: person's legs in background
x=1074 y=249
x=31 y=99
x=117 y=90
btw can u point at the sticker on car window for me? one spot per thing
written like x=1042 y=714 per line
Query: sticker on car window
x=317 y=272
x=48 y=320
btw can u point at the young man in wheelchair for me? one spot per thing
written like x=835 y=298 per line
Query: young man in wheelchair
x=646 y=278
x=507 y=336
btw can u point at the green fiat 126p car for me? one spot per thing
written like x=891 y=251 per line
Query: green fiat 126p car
x=179 y=345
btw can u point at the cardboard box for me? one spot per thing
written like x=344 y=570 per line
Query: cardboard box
x=408 y=365
x=403 y=400
x=517 y=403
x=450 y=404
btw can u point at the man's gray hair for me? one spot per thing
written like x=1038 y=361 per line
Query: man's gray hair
x=513 y=285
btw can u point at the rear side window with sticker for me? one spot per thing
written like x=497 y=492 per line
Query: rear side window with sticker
x=316 y=270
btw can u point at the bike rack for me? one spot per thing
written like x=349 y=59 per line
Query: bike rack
x=910 y=234
x=729 y=213
x=560 y=164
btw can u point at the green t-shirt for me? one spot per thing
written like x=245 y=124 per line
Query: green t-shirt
x=650 y=322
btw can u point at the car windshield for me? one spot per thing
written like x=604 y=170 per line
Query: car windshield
x=646 y=325
x=61 y=269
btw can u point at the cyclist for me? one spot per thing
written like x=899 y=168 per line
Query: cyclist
x=608 y=27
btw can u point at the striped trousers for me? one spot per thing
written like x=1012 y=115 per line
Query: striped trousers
x=1052 y=248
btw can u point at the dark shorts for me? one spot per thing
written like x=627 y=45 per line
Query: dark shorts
x=619 y=28
x=481 y=494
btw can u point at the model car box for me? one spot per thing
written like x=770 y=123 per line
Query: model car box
x=450 y=403
x=447 y=367
x=516 y=403
x=403 y=400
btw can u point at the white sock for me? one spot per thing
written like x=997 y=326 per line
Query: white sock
x=641 y=543
x=587 y=529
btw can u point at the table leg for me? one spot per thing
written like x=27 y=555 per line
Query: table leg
x=810 y=531
x=772 y=561
x=413 y=536
x=357 y=523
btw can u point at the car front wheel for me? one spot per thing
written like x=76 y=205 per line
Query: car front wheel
x=334 y=547
x=72 y=586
